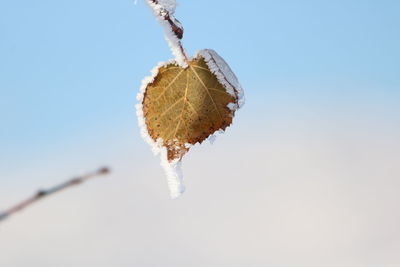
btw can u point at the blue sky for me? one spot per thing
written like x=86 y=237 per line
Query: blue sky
x=321 y=79
x=72 y=66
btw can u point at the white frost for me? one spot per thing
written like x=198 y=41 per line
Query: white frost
x=173 y=170
x=169 y=5
x=225 y=76
x=172 y=40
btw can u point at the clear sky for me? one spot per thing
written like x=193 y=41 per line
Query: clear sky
x=322 y=83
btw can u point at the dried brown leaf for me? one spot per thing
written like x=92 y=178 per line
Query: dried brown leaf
x=185 y=106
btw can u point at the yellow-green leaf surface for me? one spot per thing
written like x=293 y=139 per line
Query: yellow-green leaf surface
x=185 y=106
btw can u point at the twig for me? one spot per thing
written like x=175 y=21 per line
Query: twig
x=175 y=26
x=47 y=192
x=173 y=22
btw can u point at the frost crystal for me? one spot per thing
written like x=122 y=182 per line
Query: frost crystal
x=169 y=5
x=225 y=76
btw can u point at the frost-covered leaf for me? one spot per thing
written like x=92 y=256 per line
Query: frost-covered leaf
x=185 y=106
x=181 y=106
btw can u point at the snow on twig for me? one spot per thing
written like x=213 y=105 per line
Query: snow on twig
x=164 y=11
x=47 y=192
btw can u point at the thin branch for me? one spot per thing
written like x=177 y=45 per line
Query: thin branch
x=47 y=192
x=175 y=26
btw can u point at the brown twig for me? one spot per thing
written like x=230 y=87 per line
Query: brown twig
x=45 y=193
x=175 y=25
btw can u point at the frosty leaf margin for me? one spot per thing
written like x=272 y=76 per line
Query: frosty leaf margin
x=172 y=169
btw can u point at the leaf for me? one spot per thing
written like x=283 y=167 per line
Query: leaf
x=181 y=105
x=184 y=106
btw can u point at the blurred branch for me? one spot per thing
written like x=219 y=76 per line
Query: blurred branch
x=45 y=193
